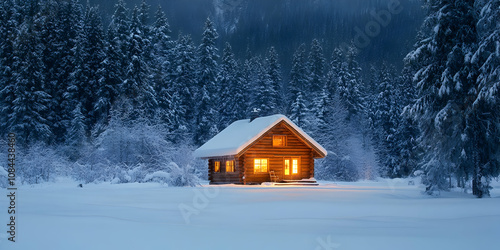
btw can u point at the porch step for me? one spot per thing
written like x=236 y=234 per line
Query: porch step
x=300 y=181
x=303 y=182
x=295 y=184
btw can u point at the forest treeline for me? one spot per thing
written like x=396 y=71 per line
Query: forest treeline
x=129 y=102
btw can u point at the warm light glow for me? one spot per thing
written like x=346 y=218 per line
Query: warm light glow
x=217 y=167
x=260 y=165
x=295 y=166
x=229 y=166
x=279 y=140
x=287 y=167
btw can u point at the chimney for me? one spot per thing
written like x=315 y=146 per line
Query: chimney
x=254 y=114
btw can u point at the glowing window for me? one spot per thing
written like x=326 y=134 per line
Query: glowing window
x=295 y=166
x=217 y=166
x=229 y=166
x=279 y=140
x=287 y=167
x=260 y=165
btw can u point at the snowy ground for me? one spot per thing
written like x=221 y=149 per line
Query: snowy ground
x=388 y=214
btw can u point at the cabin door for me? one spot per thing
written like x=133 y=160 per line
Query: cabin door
x=291 y=168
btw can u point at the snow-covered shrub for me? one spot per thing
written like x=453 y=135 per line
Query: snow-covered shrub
x=182 y=176
x=40 y=163
x=158 y=176
x=135 y=174
x=136 y=151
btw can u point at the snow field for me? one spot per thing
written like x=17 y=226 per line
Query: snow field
x=386 y=214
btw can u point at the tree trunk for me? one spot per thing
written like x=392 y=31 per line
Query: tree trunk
x=477 y=186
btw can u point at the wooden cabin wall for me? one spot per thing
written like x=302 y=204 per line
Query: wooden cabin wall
x=263 y=148
x=223 y=176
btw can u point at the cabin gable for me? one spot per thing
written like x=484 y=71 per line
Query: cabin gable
x=263 y=148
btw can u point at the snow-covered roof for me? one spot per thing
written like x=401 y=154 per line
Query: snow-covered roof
x=240 y=134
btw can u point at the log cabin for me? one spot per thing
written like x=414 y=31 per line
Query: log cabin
x=263 y=149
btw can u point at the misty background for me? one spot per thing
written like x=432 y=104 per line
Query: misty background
x=256 y=25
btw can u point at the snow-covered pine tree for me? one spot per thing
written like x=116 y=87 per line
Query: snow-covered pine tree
x=162 y=43
x=232 y=101
x=31 y=103
x=95 y=66
x=271 y=86
x=58 y=35
x=8 y=34
x=77 y=134
x=183 y=85
x=482 y=115
x=316 y=69
x=334 y=70
x=206 y=117
x=299 y=78
x=386 y=120
x=137 y=86
x=118 y=37
x=371 y=95
x=406 y=133
x=255 y=76
x=349 y=87
x=445 y=80
x=146 y=30
x=300 y=112
x=331 y=129
x=161 y=66
x=89 y=91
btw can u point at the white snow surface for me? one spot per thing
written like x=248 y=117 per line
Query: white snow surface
x=383 y=214
x=242 y=133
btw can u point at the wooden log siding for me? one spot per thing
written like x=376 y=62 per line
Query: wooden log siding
x=223 y=176
x=263 y=149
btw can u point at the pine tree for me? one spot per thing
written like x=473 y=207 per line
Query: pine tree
x=183 y=84
x=406 y=133
x=60 y=26
x=90 y=92
x=146 y=30
x=8 y=34
x=386 y=120
x=483 y=114
x=371 y=99
x=331 y=129
x=270 y=87
x=31 y=101
x=349 y=86
x=161 y=66
x=232 y=102
x=316 y=68
x=207 y=86
x=299 y=111
x=333 y=75
x=77 y=133
x=118 y=37
x=445 y=80
x=95 y=65
x=137 y=86
x=299 y=78
x=255 y=77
